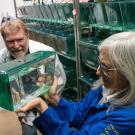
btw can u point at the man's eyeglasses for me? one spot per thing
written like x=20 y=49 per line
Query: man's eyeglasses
x=105 y=69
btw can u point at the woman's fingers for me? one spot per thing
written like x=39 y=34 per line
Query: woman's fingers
x=41 y=78
x=53 y=89
x=35 y=103
x=52 y=96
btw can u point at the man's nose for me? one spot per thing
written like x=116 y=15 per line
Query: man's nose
x=16 y=45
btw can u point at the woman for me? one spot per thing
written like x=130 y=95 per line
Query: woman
x=106 y=110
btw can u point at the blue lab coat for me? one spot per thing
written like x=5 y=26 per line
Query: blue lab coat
x=87 y=117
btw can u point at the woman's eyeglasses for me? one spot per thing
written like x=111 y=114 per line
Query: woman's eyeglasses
x=105 y=69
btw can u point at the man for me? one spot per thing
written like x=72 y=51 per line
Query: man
x=16 y=37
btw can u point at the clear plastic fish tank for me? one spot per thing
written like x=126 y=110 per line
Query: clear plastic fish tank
x=19 y=79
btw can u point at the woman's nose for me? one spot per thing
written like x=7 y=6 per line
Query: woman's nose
x=98 y=72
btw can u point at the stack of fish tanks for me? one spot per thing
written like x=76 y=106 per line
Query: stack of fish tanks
x=54 y=22
x=101 y=19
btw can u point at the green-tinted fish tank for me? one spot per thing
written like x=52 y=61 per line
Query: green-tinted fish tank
x=19 y=79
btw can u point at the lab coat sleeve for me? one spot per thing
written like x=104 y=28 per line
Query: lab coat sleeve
x=4 y=55
x=50 y=123
x=73 y=112
x=57 y=121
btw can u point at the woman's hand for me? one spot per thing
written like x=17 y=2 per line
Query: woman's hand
x=37 y=103
x=52 y=96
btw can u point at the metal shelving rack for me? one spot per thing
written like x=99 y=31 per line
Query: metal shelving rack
x=87 y=22
x=101 y=18
x=76 y=13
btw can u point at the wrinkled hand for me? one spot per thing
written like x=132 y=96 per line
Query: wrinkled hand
x=37 y=103
x=52 y=96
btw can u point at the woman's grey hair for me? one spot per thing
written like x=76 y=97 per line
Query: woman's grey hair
x=122 y=54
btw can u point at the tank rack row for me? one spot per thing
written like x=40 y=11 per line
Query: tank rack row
x=113 y=15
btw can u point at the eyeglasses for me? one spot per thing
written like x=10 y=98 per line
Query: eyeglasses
x=105 y=69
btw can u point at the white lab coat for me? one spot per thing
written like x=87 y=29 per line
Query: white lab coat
x=2 y=43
